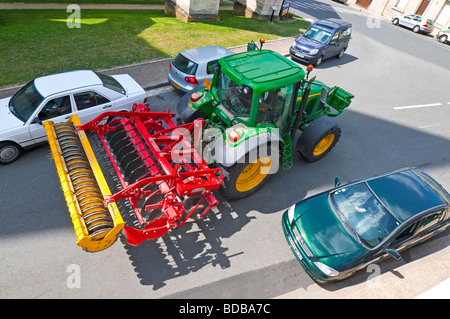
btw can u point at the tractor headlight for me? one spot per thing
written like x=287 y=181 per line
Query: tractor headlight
x=326 y=270
x=313 y=51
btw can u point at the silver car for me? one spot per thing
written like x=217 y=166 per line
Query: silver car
x=190 y=67
x=415 y=22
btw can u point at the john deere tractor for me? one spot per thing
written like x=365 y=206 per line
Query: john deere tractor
x=257 y=101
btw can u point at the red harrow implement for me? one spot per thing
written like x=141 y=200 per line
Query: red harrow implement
x=139 y=160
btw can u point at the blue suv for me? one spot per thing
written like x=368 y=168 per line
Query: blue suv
x=322 y=40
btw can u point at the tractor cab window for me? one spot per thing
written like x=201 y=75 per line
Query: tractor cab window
x=236 y=98
x=276 y=107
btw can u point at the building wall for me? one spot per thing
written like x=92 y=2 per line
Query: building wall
x=259 y=9
x=390 y=8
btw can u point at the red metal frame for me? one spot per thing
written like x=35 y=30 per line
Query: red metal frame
x=191 y=176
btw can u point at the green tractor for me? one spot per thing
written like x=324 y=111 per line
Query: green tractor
x=254 y=106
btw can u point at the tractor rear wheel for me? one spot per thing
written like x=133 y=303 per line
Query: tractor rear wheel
x=318 y=139
x=244 y=178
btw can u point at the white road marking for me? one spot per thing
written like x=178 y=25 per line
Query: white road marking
x=427 y=126
x=416 y=106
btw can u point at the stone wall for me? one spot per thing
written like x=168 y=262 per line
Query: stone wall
x=193 y=10
x=258 y=9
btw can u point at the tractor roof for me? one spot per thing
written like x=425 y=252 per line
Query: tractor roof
x=262 y=70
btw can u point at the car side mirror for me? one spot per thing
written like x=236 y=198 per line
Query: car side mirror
x=337 y=182
x=36 y=120
x=393 y=253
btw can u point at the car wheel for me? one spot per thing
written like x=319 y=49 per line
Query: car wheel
x=395 y=22
x=443 y=38
x=416 y=29
x=9 y=152
x=341 y=54
x=319 y=61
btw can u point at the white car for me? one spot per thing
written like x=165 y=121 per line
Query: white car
x=56 y=97
x=415 y=22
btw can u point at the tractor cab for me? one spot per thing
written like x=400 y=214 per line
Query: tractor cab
x=256 y=88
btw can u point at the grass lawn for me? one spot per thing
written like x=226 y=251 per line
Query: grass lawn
x=38 y=42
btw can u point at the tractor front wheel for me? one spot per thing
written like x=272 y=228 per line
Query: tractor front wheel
x=318 y=139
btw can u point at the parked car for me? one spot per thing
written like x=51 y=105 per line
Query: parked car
x=56 y=97
x=415 y=22
x=337 y=232
x=189 y=68
x=322 y=40
x=444 y=35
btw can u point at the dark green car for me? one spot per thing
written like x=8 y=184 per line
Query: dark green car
x=335 y=233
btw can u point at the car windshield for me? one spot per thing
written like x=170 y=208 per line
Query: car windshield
x=364 y=213
x=236 y=98
x=318 y=35
x=184 y=64
x=25 y=102
x=111 y=83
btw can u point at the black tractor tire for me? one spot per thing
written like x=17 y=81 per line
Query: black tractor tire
x=318 y=139
x=243 y=179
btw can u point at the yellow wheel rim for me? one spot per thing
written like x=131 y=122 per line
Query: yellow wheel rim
x=253 y=174
x=323 y=145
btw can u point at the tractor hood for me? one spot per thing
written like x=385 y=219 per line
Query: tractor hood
x=323 y=232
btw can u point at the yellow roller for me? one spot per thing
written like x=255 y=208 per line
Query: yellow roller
x=96 y=226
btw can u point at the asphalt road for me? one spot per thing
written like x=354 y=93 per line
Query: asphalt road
x=398 y=118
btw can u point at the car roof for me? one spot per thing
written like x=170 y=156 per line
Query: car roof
x=206 y=53
x=60 y=82
x=332 y=23
x=404 y=193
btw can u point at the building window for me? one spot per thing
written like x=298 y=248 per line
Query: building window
x=401 y=4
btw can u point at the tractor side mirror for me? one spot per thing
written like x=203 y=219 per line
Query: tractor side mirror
x=323 y=99
x=324 y=95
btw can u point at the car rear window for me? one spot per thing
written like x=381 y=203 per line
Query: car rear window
x=111 y=83
x=184 y=64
